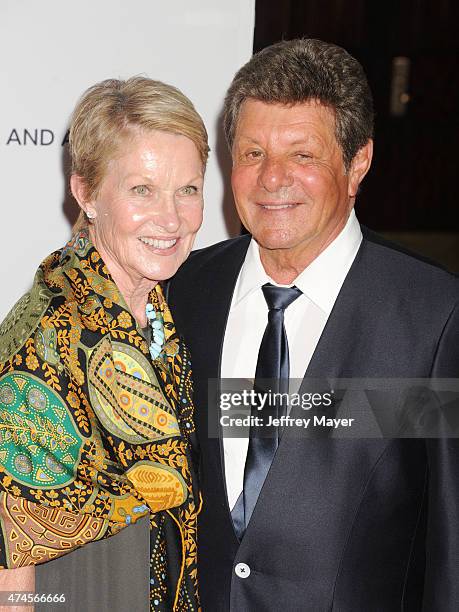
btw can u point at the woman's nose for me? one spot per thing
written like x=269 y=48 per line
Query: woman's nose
x=166 y=214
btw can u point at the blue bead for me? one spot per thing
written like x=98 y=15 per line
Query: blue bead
x=154 y=353
x=149 y=308
x=156 y=324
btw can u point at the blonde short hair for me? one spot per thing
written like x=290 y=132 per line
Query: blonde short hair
x=108 y=112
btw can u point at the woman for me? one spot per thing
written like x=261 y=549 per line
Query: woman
x=95 y=391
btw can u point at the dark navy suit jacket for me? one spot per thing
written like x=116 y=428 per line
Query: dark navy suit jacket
x=361 y=525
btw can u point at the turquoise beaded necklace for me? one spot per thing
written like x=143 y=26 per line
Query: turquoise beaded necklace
x=156 y=322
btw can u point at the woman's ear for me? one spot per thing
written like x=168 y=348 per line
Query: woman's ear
x=359 y=167
x=79 y=190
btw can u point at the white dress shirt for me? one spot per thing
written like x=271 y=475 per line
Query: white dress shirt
x=304 y=322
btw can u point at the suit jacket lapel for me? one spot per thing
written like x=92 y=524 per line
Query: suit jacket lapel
x=335 y=355
x=342 y=351
x=212 y=300
x=215 y=297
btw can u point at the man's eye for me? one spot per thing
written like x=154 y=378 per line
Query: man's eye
x=254 y=154
x=141 y=190
x=188 y=190
x=303 y=156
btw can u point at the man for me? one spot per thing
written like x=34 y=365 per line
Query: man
x=318 y=523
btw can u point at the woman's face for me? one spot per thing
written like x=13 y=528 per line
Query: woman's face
x=149 y=208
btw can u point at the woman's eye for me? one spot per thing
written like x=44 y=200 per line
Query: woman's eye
x=188 y=190
x=141 y=190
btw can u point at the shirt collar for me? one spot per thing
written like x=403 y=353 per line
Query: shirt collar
x=321 y=281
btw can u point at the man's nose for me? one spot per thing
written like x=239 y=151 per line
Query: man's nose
x=274 y=174
x=166 y=213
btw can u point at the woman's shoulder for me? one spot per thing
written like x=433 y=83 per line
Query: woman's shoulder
x=28 y=311
x=55 y=286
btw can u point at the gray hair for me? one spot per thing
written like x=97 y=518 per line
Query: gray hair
x=301 y=70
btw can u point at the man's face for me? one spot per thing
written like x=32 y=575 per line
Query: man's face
x=289 y=182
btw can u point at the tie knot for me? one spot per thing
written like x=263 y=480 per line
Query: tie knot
x=279 y=298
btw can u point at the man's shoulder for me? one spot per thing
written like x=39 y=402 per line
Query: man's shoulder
x=406 y=270
x=214 y=255
x=212 y=269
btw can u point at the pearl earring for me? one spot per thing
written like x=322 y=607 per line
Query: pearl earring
x=90 y=215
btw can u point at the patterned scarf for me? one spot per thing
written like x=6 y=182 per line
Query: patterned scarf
x=93 y=433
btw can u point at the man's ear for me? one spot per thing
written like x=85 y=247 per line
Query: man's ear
x=79 y=190
x=359 y=167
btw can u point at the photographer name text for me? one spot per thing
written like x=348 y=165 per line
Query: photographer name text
x=284 y=421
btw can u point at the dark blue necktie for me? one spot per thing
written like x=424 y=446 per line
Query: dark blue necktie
x=272 y=374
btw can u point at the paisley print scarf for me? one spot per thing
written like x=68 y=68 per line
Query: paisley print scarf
x=93 y=433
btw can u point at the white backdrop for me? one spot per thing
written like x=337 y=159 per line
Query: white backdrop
x=51 y=51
